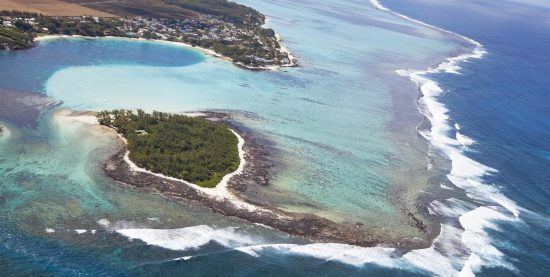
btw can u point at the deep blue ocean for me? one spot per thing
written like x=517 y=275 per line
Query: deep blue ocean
x=340 y=149
x=502 y=102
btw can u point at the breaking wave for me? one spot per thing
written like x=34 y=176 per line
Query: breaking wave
x=189 y=238
x=463 y=244
x=471 y=241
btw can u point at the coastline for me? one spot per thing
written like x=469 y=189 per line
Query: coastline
x=220 y=191
x=224 y=198
x=284 y=49
x=205 y=51
x=61 y=206
x=161 y=41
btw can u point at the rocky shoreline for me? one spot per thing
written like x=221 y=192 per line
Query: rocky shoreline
x=256 y=171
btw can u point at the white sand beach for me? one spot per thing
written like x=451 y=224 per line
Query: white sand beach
x=220 y=192
x=204 y=51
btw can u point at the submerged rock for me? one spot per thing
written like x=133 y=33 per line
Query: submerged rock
x=24 y=108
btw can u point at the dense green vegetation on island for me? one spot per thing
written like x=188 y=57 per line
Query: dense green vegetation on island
x=189 y=148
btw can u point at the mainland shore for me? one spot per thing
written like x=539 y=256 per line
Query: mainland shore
x=206 y=51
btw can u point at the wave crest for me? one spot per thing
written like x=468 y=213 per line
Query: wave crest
x=190 y=237
x=466 y=173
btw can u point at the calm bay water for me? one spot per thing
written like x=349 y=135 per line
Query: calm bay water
x=344 y=128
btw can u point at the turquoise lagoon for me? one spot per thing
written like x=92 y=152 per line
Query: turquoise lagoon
x=343 y=128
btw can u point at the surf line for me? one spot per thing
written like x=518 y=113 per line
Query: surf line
x=466 y=173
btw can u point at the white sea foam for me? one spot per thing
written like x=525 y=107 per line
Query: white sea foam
x=263 y=225
x=195 y=237
x=185 y=258
x=464 y=140
x=104 y=222
x=476 y=223
x=451 y=207
x=445 y=257
x=190 y=237
x=80 y=231
x=466 y=174
x=445 y=186
x=442 y=258
x=4 y=133
x=49 y=230
x=457 y=249
x=120 y=224
x=348 y=254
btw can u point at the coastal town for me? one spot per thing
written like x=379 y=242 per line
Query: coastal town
x=246 y=44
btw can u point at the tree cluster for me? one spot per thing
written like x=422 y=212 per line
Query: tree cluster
x=249 y=43
x=189 y=148
x=13 y=39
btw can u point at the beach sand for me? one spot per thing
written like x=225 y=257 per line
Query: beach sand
x=220 y=191
x=205 y=51
x=222 y=199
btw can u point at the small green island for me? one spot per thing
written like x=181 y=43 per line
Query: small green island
x=193 y=149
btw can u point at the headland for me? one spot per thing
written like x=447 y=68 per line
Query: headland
x=231 y=31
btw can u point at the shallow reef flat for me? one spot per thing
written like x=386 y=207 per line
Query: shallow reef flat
x=24 y=108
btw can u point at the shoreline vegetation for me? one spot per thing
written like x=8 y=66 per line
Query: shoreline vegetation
x=229 y=30
x=186 y=148
x=225 y=198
